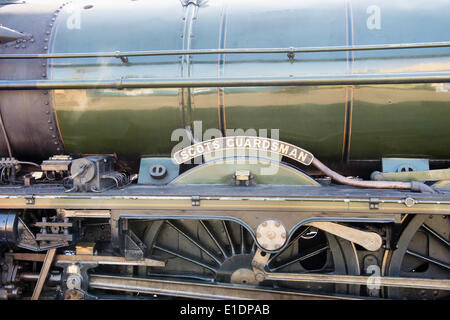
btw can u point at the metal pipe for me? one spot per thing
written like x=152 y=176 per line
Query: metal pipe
x=29 y=276
x=118 y=54
x=414 y=185
x=321 y=80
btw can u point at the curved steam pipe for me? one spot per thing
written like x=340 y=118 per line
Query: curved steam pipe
x=413 y=185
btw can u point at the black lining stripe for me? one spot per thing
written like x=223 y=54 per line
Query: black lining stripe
x=348 y=123
x=349 y=90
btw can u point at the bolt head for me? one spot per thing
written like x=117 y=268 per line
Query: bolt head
x=271 y=234
x=259 y=277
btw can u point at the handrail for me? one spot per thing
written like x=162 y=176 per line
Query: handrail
x=320 y=80
x=291 y=50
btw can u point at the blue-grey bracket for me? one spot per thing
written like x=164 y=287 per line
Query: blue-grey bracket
x=157 y=171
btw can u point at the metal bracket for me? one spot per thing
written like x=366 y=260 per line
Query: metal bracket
x=374 y=203
x=392 y=234
x=195 y=201
x=291 y=55
x=242 y=177
x=75 y=279
x=157 y=171
x=133 y=247
x=259 y=262
x=29 y=199
x=16 y=232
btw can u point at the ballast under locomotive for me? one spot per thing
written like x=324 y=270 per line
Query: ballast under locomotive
x=293 y=149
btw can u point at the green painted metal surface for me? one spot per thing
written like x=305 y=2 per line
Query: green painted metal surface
x=263 y=171
x=333 y=122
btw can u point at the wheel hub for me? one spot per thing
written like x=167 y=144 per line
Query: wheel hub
x=222 y=251
x=237 y=269
x=244 y=276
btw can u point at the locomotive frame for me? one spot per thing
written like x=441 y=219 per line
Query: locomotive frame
x=217 y=229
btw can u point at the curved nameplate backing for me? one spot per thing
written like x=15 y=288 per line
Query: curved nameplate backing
x=258 y=144
x=264 y=171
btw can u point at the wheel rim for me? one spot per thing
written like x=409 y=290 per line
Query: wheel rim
x=423 y=252
x=222 y=251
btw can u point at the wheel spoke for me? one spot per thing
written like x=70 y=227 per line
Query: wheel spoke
x=241 y=230
x=429 y=259
x=198 y=245
x=302 y=258
x=214 y=239
x=436 y=235
x=228 y=237
x=289 y=244
x=198 y=242
x=254 y=247
x=185 y=258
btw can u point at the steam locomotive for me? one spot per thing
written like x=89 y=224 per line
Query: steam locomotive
x=224 y=149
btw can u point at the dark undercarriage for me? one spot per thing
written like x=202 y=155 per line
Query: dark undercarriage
x=199 y=242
